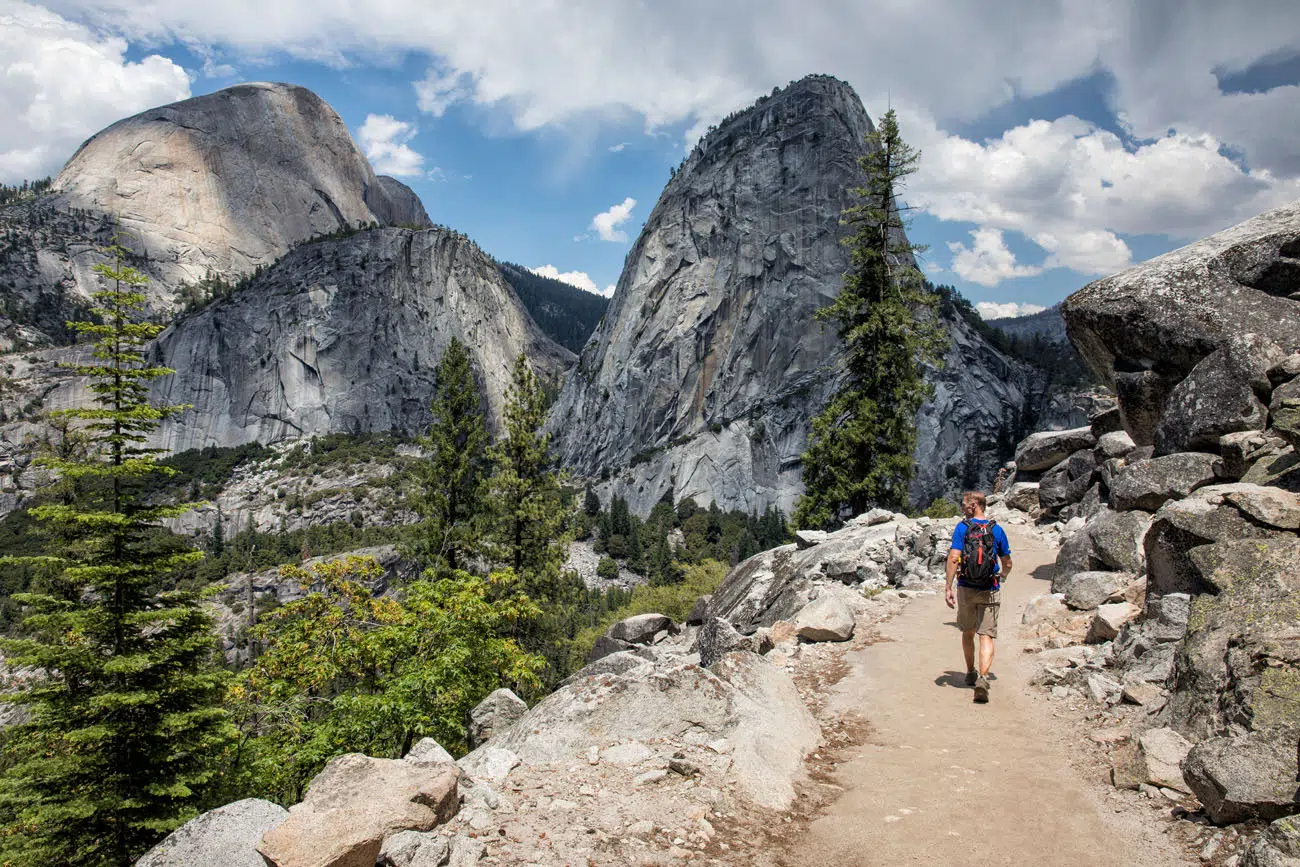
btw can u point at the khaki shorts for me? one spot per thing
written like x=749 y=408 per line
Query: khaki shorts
x=978 y=610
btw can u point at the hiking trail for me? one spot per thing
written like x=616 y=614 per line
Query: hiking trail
x=942 y=780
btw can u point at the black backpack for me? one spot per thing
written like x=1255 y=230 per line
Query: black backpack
x=979 y=555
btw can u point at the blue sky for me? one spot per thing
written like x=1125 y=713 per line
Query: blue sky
x=1060 y=143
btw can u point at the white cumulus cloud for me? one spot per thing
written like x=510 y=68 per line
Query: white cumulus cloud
x=384 y=139
x=607 y=223
x=988 y=261
x=60 y=83
x=1006 y=310
x=579 y=279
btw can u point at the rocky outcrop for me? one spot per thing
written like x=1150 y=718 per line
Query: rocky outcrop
x=1244 y=778
x=353 y=805
x=343 y=336
x=709 y=363
x=222 y=183
x=1146 y=329
x=224 y=837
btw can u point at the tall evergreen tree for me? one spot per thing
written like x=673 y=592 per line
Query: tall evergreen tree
x=525 y=500
x=449 y=491
x=860 y=451
x=125 y=722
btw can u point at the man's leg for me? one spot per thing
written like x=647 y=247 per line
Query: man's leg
x=986 y=655
x=968 y=648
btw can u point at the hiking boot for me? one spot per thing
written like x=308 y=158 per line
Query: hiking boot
x=971 y=677
x=982 y=689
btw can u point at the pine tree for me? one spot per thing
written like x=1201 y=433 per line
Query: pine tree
x=527 y=519
x=860 y=451
x=449 y=491
x=125 y=723
x=525 y=501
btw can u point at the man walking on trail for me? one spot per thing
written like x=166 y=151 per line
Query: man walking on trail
x=980 y=560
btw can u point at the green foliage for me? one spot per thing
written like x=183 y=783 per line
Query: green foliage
x=671 y=600
x=527 y=516
x=448 y=494
x=607 y=569
x=26 y=190
x=942 y=508
x=861 y=445
x=126 y=723
x=566 y=314
x=344 y=671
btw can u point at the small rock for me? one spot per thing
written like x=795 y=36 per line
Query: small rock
x=806 y=539
x=1143 y=694
x=428 y=751
x=650 y=777
x=1163 y=750
x=627 y=755
x=1108 y=620
x=642 y=829
x=683 y=767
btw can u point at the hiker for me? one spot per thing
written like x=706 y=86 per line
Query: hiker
x=980 y=560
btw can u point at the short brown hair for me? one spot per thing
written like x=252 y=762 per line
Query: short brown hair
x=976 y=497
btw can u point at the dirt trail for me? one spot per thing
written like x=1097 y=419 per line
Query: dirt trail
x=946 y=781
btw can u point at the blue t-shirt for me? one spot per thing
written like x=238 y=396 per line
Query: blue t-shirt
x=1001 y=544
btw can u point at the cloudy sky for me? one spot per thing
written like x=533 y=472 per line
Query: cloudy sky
x=1061 y=140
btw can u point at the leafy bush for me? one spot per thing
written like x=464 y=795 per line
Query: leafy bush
x=670 y=600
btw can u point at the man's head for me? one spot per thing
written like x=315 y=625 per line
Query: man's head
x=972 y=504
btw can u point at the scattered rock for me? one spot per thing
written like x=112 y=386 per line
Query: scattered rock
x=1216 y=397
x=699 y=611
x=1239 y=662
x=1277 y=846
x=500 y=710
x=1023 y=496
x=490 y=762
x=428 y=751
x=354 y=804
x=224 y=837
x=640 y=629
x=1148 y=484
x=1108 y=620
x=414 y=849
x=805 y=539
x=826 y=618
x=1179 y=526
x=1044 y=450
x=606 y=646
x=1162 y=751
x=1090 y=589
x=649 y=778
x=1067 y=482
x=1143 y=694
x=627 y=755
x=1238 y=779
x=1272 y=506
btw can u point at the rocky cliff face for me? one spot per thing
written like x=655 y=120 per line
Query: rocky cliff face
x=344 y=336
x=213 y=186
x=709 y=363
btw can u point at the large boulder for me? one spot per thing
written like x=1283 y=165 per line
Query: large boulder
x=640 y=629
x=1163 y=751
x=717 y=638
x=1117 y=539
x=353 y=805
x=1022 y=496
x=1090 y=589
x=1239 y=666
x=1145 y=329
x=1109 y=619
x=742 y=697
x=1116 y=444
x=224 y=837
x=1067 y=482
x=1149 y=484
x=1242 y=450
x=1220 y=395
x=1277 y=846
x=826 y=618
x=1204 y=518
x=500 y=710
x=1238 y=779
x=761 y=590
x=1045 y=449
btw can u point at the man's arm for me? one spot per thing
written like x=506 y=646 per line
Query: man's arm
x=954 y=561
x=1006 y=568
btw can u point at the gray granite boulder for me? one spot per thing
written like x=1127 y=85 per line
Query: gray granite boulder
x=1218 y=396
x=1239 y=779
x=224 y=837
x=1045 y=449
x=1116 y=444
x=826 y=618
x=1277 y=846
x=1242 y=450
x=1067 y=482
x=1117 y=539
x=1144 y=329
x=1022 y=496
x=717 y=638
x=1179 y=526
x=1109 y=619
x=641 y=628
x=1238 y=666
x=1149 y=484
x=1090 y=589
x=500 y=710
